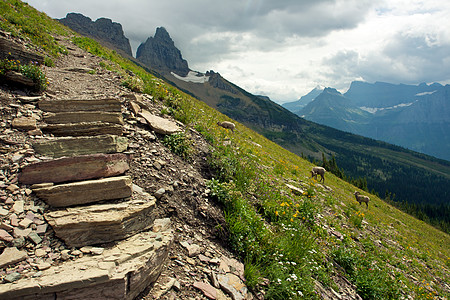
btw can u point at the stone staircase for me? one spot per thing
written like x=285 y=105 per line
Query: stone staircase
x=94 y=206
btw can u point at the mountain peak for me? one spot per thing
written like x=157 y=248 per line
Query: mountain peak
x=331 y=91
x=105 y=30
x=162 y=34
x=159 y=52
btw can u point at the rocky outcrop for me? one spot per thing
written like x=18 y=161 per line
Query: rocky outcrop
x=120 y=272
x=105 y=30
x=159 y=53
x=217 y=81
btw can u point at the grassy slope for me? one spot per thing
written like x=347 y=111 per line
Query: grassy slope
x=383 y=251
x=356 y=155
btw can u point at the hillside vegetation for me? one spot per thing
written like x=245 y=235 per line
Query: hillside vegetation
x=416 y=182
x=295 y=242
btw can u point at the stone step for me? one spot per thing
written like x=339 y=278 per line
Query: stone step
x=106 y=105
x=84 y=192
x=75 y=168
x=83 y=116
x=120 y=272
x=73 y=146
x=102 y=223
x=83 y=129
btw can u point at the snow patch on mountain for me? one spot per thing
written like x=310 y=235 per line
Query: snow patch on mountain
x=426 y=93
x=374 y=110
x=192 y=76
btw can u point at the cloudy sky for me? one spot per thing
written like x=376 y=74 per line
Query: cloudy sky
x=284 y=48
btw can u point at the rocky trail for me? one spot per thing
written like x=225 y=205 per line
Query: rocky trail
x=94 y=206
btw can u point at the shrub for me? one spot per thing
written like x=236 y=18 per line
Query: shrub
x=133 y=83
x=32 y=71
x=179 y=144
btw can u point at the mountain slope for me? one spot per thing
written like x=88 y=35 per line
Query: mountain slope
x=299 y=238
x=412 y=177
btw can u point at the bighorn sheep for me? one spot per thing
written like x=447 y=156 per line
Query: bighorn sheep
x=227 y=125
x=318 y=171
x=361 y=198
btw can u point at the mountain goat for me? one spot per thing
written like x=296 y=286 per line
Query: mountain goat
x=361 y=198
x=318 y=171
x=227 y=125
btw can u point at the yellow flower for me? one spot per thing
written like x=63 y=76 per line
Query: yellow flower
x=276 y=212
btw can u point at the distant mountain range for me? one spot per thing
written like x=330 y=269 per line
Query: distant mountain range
x=413 y=177
x=413 y=116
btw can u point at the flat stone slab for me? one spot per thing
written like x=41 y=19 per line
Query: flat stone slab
x=158 y=124
x=102 y=223
x=12 y=255
x=24 y=123
x=76 y=168
x=68 y=105
x=122 y=271
x=233 y=285
x=83 y=116
x=72 y=146
x=84 y=192
x=83 y=129
x=294 y=189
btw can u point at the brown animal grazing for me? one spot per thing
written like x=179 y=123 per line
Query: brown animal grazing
x=361 y=198
x=318 y=171
x=227 y=125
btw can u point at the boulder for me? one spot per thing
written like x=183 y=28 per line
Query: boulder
x=101 y=223
x=75 y=168
x=72 y=146
x=158 y=124
x=83 y=192
x=24 y=123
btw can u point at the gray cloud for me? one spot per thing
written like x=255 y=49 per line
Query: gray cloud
x=404 y=59
x=289 y=46
x=271 y=22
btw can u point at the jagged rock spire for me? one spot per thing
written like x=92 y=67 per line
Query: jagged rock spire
x=159 y=53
